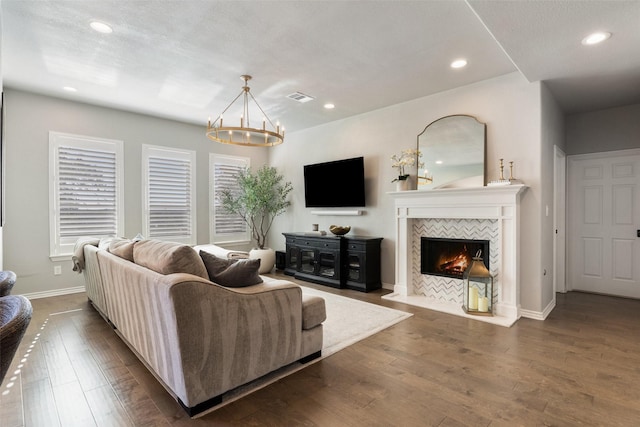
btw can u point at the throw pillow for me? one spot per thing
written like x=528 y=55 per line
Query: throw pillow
x=122 y=248
x=233 y=273
x=168 y=258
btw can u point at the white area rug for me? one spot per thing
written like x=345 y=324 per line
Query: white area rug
x=348 y=321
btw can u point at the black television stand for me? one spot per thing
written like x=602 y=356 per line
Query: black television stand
x=351 y=262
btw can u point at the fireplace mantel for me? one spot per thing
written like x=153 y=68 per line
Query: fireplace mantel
x=499 y=204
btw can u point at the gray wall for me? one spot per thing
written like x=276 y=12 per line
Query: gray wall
x=29 y=118
x=509 y=105
x=603 y=130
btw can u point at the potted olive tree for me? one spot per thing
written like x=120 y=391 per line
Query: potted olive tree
x=260 y=197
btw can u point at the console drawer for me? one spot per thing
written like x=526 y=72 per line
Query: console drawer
x=356 y=246
x=319 y=244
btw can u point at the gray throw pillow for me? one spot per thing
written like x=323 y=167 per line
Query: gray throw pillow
x=122 y=248
x=168 y=258
x=233 y=273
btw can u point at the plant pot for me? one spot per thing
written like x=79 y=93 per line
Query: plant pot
x=267 y=257
x=402 y=184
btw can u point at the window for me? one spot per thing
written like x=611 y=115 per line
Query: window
x=168 y=177
x=225 y=227
x=85 y=197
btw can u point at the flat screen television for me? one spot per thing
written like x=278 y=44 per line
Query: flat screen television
x=334 y=184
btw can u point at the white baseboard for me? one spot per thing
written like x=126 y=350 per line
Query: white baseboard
x=55 y=293
x=539 y=315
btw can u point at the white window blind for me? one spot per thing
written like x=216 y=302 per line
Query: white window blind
x=169 y=194
x=85 y=184
x=226 y=227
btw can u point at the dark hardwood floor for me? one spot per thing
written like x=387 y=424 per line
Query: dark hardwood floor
x=580 y=367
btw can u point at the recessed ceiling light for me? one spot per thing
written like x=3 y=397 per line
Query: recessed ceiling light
x=101 y=27
x=459 y=63
x=438 y=162
x=595 y=38
x=70 y=89
x=329 y=106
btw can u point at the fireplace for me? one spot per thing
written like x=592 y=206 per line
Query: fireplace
x=450 y=257
x=485 y=213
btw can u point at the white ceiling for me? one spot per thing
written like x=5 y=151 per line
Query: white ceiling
x=182 y=59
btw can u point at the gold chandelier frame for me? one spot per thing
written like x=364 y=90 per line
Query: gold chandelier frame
x=245 y=135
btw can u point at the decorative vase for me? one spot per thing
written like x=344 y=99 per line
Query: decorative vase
x=267 y=257
x=402 y=184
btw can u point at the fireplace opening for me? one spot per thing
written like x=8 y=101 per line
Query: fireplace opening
x=450 y=257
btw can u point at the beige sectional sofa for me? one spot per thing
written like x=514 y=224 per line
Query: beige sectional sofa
x=198 y=338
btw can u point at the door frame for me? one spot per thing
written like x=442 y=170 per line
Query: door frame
x=559 y=220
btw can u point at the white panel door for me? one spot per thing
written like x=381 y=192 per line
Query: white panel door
x=603 y=219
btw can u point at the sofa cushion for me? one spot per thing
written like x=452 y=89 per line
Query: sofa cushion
x=168 y=258
x=233 y=273
x=122 y=248
x=313 y=311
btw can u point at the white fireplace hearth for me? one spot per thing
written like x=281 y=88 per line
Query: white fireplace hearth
x=487 y=213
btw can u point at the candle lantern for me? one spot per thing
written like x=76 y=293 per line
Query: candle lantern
x=477 y=295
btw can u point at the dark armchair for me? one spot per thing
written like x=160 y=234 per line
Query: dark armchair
x=15 y=315
x=7 y=280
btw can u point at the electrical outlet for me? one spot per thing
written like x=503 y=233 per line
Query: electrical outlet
x=57 y=270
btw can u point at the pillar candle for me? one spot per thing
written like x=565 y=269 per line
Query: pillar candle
x=483 y=304
x=473 y=298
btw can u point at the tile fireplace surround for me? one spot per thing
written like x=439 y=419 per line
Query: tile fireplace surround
x=489 y=213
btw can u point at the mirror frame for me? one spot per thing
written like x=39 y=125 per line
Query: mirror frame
x=421 y=179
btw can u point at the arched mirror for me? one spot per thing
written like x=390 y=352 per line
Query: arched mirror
x=453 y=153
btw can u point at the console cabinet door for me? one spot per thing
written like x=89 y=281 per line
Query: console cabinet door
x=355 y=267
x=291 y=260
x=307 y=258
x=328 y=264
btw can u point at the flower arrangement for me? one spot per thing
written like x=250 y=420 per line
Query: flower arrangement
x=407 y=157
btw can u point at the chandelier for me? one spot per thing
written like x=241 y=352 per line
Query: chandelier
x=266 y=136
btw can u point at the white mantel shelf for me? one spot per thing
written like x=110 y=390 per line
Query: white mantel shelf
x=464 y=196
x=498 y=203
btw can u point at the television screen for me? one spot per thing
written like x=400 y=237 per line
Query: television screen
x=334 y=184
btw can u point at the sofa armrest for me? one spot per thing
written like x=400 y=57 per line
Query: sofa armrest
x=93 y=284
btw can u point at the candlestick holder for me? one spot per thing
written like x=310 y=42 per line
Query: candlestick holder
x=502 y=180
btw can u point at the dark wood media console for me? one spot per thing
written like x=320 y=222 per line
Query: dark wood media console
x=338 y=261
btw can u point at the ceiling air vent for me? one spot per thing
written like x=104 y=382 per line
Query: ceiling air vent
x=300 y=97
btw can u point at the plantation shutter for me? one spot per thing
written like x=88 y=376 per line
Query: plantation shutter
x=226 y=227
x=86 y=192
x=169 y=194
x=225 y=179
